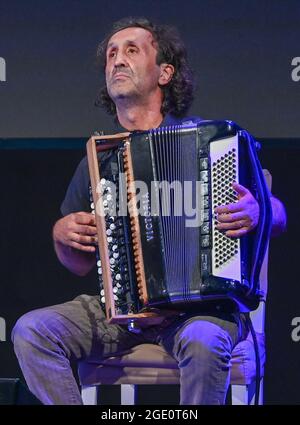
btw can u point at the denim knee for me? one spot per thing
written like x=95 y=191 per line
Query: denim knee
x=205 y=340
x=30 y=326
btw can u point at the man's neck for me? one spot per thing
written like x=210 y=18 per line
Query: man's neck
x=139 y=117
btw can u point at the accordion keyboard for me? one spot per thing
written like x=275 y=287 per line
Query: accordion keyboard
x=119 y=245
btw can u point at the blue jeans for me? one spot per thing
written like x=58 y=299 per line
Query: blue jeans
x=48 y=340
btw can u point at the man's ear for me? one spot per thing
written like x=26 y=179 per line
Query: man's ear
x=166 y=73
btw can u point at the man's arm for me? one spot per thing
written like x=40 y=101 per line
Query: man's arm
x=74 y=239
x=279 y=217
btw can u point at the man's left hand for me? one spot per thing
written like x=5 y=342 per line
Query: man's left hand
x=240 y=217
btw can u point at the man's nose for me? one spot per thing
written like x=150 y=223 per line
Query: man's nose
x=120 y=59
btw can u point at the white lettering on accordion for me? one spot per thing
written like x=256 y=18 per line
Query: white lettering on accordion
x=147 y=217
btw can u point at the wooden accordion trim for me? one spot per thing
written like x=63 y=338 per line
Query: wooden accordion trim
x=135 y=228
x=94 y=170
x=145 y=318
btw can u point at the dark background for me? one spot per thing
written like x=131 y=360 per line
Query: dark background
x=240 y=50
x=241 y=53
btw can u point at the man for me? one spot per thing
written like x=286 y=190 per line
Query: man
x=148 y=84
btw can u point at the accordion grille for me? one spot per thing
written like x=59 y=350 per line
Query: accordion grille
x=224 y=171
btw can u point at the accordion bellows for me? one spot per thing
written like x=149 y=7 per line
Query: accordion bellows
x=159 y=251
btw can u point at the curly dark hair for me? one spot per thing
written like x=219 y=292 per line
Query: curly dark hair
x=178 y=93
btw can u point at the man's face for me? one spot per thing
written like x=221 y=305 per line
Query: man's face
x=131 y=70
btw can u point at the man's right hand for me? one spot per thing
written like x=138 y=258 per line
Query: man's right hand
x=76 y=230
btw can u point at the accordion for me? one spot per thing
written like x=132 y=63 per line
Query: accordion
x=159 y=250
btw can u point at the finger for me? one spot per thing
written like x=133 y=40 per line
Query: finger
x=241 y=190
x=229 y=218
x=82 y=239
x=237 y=233
x=85 y=218
x=231 y=226
x=84 y=248
x=229 y=208
x=86 y=230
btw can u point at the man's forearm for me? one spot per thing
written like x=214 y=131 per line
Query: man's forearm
x=279 y=217
x=76 y=261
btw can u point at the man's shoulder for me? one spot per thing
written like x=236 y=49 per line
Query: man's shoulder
x=191 y=120
x=187 y=120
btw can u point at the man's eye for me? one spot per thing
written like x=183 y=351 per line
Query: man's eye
x=132 y=50
x=112 y=54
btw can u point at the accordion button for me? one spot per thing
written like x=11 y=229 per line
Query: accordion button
x=205 y=202
x=206 y=215
x=205 y=241
x=205 y=228
x=203 y=163
x=204 y=176
x=204 y=188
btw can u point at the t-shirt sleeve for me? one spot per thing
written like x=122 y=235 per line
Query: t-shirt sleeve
x=77 y=195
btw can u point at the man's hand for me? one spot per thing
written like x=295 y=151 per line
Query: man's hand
x=76 y=230
x=238 y=218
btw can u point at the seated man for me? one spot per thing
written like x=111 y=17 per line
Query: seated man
x=148 y=84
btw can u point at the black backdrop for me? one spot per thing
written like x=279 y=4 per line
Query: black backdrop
x=241 y=52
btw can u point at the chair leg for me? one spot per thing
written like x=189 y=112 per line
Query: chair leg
x=128 y=393
x=239 y=394
x=261 y=392
x=89 y=395
x=245 y=394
